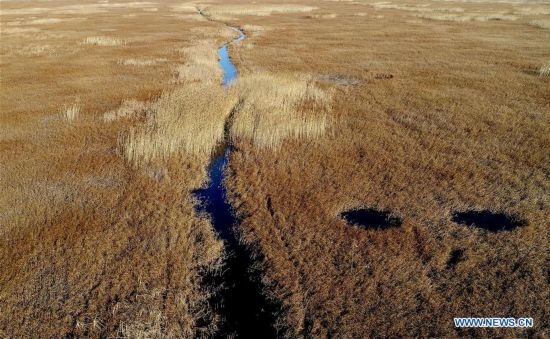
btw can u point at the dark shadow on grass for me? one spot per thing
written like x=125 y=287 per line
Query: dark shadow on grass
x=487 y=220
x=371 y=218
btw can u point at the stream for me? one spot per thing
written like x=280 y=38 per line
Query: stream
x=246 y=312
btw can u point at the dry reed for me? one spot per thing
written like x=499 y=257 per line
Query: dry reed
x=277 y=107
x=103 y=41
x=70 y=112
x=187 y=120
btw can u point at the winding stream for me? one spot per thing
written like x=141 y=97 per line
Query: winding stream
x=247 y=314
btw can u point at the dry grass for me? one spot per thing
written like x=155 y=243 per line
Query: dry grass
x=441 y=118
x=544 y=71
x=139 y=62
x=430 y=128
x=468 y=17
x=49 y=21
x=128 y=109
x=293 y=108
x=418 y=8
x=202 y=62
x=103 y=41
x=256 y=9
x=544 y=24
x=188 y=120
x=20 y=30
x=324 y=16
x=70 y=112
x=89 y=245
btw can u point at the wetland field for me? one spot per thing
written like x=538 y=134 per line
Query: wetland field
x=274 y=169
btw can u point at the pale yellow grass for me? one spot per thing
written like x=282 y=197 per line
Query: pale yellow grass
x=49 y=21
x=253 y=28
x=278 y=107
x=201 y=63
x=418 y=8
x=128 y=108
x=19 y=30
x=32 y=50
x=210 y=33
x=257 y=9
x=324 y=16
x=545 y=24
x=70 y=112
x=103 y=41
x=141 y=61
x=188 y=17
x=468 y=17
x=544 y=71
x=188 y=120
x=188 y=8
x=537 y=10
x=78 y=9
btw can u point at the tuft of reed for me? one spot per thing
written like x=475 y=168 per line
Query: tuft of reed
x=70 y=112
x=544 y=70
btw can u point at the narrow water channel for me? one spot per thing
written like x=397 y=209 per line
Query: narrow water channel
x=247 y=314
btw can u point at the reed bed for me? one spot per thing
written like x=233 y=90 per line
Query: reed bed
x=278 y=107
x=187 y=120
x=201 y=63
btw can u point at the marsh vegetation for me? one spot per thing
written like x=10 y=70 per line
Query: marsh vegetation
x=431 y=118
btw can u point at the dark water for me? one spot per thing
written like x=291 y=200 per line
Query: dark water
x=492 y=222
x=213 y=199
x=371 y=218
x=247 y=313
